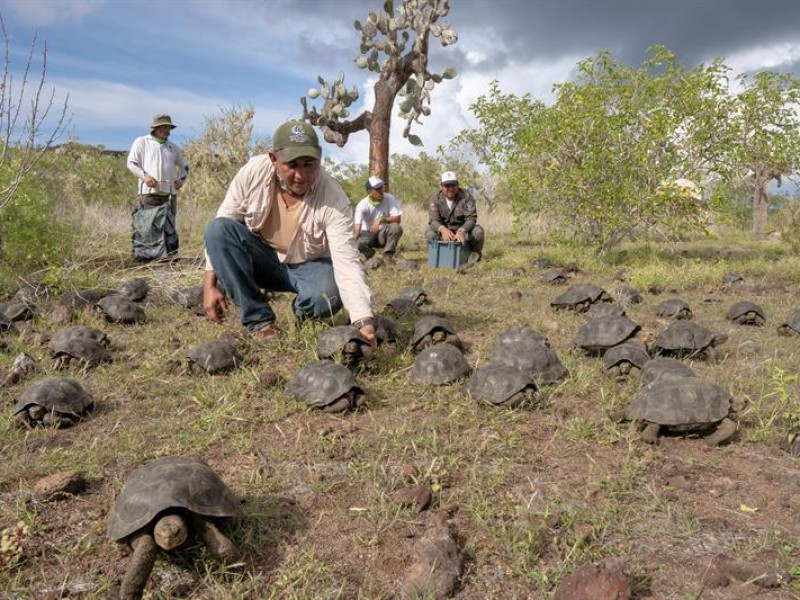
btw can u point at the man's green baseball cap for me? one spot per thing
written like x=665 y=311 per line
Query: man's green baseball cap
x=294 y=139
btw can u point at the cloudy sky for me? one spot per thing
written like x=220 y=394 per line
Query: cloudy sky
x=121 y=61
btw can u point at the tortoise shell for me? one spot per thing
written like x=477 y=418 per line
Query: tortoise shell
x=433 y=330
x=521 y=334
x=625 y=358
x=169 y=483
x=415 y=294
x=664 y=368
x=79 y=332
x=598 y=335
x=791 y=326
x=86 y=350
x=324 y=383
x=579 y=297
x=687 y=403
x=685 y=338
x=555 y=277
x=604 y=310
x=117 y=309
x=386 y=331
x=59 y=395
x=732 y=279
x=500 y=385
x=135 y=290
x=674 y=308
x=535 y=359
x=440 y=364
x=345 y=343
x=746 y=313
x=216 y=357
x=627 y=294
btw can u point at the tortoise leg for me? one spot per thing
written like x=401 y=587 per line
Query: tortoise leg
x=217 y=542
x=650 y=433
x=722 y=433
x=139 y=566
x=170 y=531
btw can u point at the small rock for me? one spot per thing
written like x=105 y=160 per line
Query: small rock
x=59 y=486
x=413 y=496
x=270 y=378
x=603 y=580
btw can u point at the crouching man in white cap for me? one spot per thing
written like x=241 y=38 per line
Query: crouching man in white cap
x=453 y=216
x=376 y=222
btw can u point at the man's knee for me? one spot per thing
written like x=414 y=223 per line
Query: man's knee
x=431 y=235
x=477 y=234
x=394 y=229
x=219 y=230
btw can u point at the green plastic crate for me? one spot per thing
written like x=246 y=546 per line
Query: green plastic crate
x=447 y=255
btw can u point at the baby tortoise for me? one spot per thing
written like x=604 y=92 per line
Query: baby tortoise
x=215 y=357
x=161 y=503
x=791 y=326
x=431 y=330
x=674 y=308
x=345 y=344
x=53 y=402
x=622 y=360
x=117 y=309
x=687 y=338
x=746 y=313
x=440 y=364
x=598 y=335
x=683 y=405
x=326 y=385
x=580 y=297
x=500 y=385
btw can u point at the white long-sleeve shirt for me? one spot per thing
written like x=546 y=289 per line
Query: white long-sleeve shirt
x=163 y=161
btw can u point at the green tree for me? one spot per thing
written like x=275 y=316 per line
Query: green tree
x=764 y=137
x=395 y=45
x=602 y=160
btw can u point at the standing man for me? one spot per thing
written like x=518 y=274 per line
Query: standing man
x=162 y=170
x=453 y=216
x=377 y=220
x=285 y=226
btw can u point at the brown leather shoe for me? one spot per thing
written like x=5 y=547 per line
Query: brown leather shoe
x=268 y=333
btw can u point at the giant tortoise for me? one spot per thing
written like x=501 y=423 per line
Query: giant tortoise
x=154 y=506
x=344 y=343
x=686 y=338
x=598 y=335
x=440 y=364
x=536 y=359
x=746 y=313
x=580 y=297
x=500 y=385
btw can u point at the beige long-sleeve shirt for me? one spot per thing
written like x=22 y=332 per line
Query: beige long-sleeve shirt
x=325 y=227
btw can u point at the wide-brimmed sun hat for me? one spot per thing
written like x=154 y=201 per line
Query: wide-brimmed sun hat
x=160 y=120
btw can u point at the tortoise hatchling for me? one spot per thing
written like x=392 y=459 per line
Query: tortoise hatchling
x=386 y=331
x=663 y=367
x=791 y=326
x=345 y=344
x=625 y=359
x=326 y=385
x=415 y=294
x=580 y=297
x=674 y=308
x=152 y=512
x=555 y=277
x=688 y=404
x=627 y=294
x=500 y=385
x=440 y=364
x=598 y=335
x=400 y=306
x=53 y=402
x=87 y=351
x=686 y=338
x=117 y=309
x=16 y=310
x=215 y=357
x=432 y=330
x=78 y=332
x=746 y=313
x=135 y=289
x=535 y=359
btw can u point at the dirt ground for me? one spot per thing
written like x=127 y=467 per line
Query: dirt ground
x=530 y=494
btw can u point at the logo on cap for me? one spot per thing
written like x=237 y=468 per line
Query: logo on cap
x=298 y=134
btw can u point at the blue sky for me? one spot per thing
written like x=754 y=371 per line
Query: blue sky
x=121 y=61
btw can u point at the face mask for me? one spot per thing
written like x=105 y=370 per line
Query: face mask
x=375 y=202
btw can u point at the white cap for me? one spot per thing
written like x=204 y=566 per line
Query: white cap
x=449 y=177
x=374 y=183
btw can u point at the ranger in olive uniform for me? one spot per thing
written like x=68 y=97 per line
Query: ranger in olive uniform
x=453 y=216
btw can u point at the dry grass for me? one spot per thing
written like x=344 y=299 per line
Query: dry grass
x=535 y=491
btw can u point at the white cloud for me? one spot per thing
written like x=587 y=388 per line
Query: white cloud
x=765 y=57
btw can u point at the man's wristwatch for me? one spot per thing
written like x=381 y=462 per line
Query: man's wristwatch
x=361 y=323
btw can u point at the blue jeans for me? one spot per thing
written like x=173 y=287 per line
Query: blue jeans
x=244 y=265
